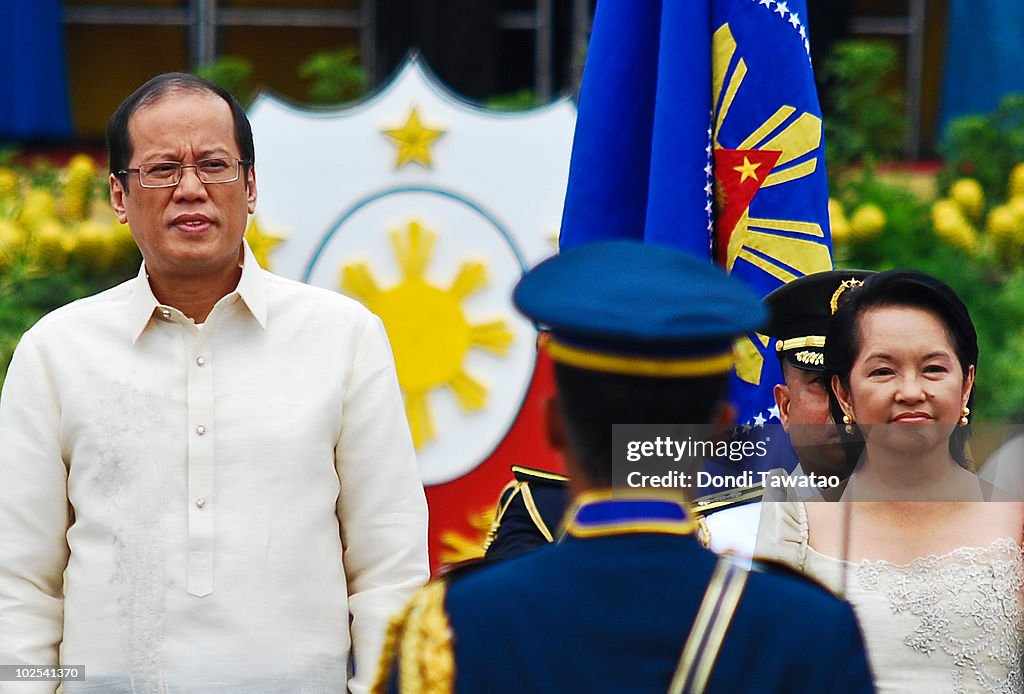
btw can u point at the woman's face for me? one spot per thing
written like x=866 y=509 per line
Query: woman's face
x=906 y=378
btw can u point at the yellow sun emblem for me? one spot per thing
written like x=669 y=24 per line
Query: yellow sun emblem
x=429 y=332
x=458 y=547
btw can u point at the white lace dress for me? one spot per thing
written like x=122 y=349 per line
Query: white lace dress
x=950 y=623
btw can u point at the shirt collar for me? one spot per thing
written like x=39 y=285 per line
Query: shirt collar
x=251 y=289
x=624 y=512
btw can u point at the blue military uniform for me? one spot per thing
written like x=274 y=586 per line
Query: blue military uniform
x=609 y=607
x=627 y=600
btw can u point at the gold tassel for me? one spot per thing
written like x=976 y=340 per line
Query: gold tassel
x=421 y=639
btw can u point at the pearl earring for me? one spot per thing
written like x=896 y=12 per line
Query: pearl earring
x=848 y=421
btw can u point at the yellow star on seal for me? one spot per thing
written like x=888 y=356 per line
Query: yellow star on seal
x=747 y=170
x=261 y=243
x=414 y=140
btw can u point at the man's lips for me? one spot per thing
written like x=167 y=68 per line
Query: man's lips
x=191 y=223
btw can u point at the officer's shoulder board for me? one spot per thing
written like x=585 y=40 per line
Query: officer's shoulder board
x=730 y=498
x=522 y=479
x=536 y=476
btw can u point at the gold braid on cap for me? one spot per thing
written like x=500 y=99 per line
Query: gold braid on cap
x=843 y=286
x=420 y=637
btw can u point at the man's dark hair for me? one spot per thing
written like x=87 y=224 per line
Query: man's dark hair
x=119 y=144
x=591 y=402
x=912 y=289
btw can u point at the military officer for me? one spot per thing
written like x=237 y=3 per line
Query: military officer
x=628 y=594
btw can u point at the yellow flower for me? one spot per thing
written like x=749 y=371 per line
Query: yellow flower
x=78 y=181
x=837 y=220
x=867 y=222
x=1016 y=188
x=38 y=207
x=12 y=240
x=952 y=226
x=50 y=244
x=95 y=245
x=968 y=194
x=1017 y=205
x=9 y=184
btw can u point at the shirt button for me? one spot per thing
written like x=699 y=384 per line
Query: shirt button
x=200 y=361
x=200 y=430
x=200 y=502
x=165 y=313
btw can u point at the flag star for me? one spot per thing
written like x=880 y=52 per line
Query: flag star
x=707 y=169
x=774 y=412
x=807 y=45
x=803 y=32
x=782 y=9
x=747 y=170
x=767 y=3
x=709 y=188
x=794 y=19
x=708 y=207
x=759 y=420
x=747 y=427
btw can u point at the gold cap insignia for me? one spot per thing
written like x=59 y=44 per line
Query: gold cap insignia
x=810 y=358
x=843 y=286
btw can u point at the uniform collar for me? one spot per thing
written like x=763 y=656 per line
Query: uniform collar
x=624 y=512
x=251 y=289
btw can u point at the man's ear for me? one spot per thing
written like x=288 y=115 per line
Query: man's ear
x=117 y=195
x=250 y=189
x=782 y=401
x=553 y=424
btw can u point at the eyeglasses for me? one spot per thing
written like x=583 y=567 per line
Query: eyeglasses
x=167 y=174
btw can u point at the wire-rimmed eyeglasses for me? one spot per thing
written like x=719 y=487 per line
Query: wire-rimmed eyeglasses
x=167 y=174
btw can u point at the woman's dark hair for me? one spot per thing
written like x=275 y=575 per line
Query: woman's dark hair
x=119 y=144
x=908 y=288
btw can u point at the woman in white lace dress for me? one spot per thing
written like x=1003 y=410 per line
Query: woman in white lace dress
x=929 y=555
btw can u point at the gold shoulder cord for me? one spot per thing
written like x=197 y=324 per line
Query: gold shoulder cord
x=705 y=639
x=531 y=508
x=499 y=512
x=420 y=637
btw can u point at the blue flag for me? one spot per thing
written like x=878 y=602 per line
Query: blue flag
x=699 y=127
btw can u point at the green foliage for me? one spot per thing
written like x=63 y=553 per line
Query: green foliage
x=864 y=122
x=336 y=76
x=985 y=147
x=28 y=292
x=232 y=73
x=522 y=100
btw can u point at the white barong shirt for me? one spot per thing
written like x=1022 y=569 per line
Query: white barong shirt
x=206 y=509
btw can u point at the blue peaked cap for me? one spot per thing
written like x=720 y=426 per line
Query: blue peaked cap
x=644 y=309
